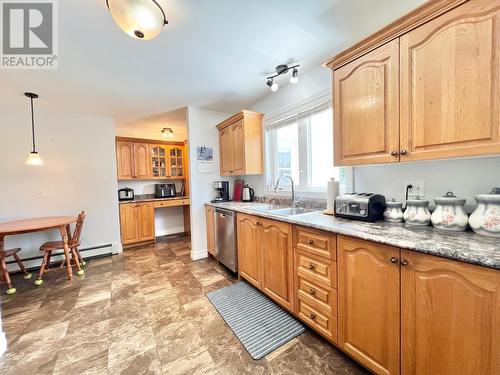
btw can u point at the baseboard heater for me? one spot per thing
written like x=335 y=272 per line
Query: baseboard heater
x=62 y=254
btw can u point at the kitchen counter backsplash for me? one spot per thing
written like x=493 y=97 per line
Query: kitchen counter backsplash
x=464 y=246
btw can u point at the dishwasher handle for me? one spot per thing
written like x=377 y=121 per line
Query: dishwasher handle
x=223 y=212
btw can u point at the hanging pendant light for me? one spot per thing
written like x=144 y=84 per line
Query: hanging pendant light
x=141 y=19
x=34 y=158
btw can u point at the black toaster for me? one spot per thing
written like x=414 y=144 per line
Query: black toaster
x=360 y=206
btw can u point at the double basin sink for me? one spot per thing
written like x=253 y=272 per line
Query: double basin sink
x=282 y=211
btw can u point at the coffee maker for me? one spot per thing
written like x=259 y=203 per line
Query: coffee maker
x=222 y=191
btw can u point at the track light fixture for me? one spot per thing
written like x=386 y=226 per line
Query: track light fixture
x=167 y=133
x=280 y=70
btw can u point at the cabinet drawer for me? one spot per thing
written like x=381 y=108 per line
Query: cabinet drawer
x=321 y=296
x=316 y=269
x=316 y=242
x=172 y=203
x=323 y=323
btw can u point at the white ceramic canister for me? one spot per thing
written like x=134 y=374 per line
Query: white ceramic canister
x=450 y=213
x=485 y=219
x=393 y=211
x=417 y=212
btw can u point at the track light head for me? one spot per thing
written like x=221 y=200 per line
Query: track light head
x=295 y=76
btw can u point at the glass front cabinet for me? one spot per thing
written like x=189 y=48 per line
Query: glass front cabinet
x=167 y=162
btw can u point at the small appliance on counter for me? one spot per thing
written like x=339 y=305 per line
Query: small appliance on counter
x=360 y=206
x=165 y=190
x=126 y=194
x=222 y=192
x=248 y=194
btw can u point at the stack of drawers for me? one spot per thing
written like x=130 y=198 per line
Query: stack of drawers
x=316 y=280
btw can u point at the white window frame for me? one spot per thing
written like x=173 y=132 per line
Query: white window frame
x=296 y=112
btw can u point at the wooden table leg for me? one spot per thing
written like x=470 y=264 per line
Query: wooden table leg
x=2 y=276
x=64 y=235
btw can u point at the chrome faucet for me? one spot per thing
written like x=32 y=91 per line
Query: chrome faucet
x=294 y=203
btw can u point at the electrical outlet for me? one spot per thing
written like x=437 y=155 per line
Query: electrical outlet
x=417 y=189
x=42 y=194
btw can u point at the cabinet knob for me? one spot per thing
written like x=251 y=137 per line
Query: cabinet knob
x=403 y=152
x=394 y=153
x=311 y=242
x=312 y=316
x=311 y=266
x=404 y=262
x=312 y=291
x=258 y=223
x=394 y=259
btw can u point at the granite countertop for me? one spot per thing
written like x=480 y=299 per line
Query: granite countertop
x=464 y=246
x=150 y=198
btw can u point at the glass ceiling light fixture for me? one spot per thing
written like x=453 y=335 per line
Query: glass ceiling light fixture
x=280 y=70
x=34 y=158
x=141 y=19
x=167 y=133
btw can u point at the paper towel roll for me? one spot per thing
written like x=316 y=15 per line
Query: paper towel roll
x=332 y=190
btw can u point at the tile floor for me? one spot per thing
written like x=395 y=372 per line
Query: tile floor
x=142 y=312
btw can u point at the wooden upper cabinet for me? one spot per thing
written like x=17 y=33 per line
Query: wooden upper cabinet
x=249 y=249
x=424 y=87
x=240 y=144
x=142 y=160
x=369 y=303
x=125 y=160
x=450 y=76
x=450 y=317
x=366 y=94
x=277 y=261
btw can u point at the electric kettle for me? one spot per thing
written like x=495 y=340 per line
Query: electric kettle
x=248 y=194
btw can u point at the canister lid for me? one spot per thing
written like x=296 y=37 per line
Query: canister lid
x=417 y=202
x=393 y=203
x=450 y=199
x=493 y=196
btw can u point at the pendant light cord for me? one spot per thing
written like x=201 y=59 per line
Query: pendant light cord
x=33 y=125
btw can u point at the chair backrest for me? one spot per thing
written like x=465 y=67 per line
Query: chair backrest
x=75 y=239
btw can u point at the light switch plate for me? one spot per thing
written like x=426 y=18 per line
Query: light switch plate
x=417 y=189
x=42 y=194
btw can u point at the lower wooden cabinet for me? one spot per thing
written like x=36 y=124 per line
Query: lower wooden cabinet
x=369 y=305
x=209 y=217
x=137 y=222
x=265 y=257
x=450 y=316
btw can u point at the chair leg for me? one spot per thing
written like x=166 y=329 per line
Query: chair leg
x=79 y=271
x=82 y=262
x=3 y=265
x=27 y=275
x=46 y=256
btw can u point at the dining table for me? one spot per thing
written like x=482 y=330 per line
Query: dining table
x=60 y=223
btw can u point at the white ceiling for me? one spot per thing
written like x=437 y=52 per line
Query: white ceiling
x=213 y=53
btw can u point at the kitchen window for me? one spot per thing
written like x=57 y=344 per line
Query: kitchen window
x=300 y=144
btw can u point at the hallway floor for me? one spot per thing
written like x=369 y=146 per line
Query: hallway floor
x=142 y=312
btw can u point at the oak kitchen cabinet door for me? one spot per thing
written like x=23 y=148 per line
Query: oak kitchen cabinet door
x=142 y=160
x=450 y=77
x=209 y=217
x=125 y=160
x=450 y=317
x=275 y=239
x=366 y=102
x=249 y=249
x=226 y=150
x=369 y=303
x=238 y=148
x=146 y=221
x=129 y=223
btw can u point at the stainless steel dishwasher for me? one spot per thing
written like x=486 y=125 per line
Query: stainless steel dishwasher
x=225 y=238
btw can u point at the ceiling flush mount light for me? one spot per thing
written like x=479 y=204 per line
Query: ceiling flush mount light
x=281 y=70
x=141 y=19
x=167 y=133
x=34 y=158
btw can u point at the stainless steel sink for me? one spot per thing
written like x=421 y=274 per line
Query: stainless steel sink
x=291 y=211
x=263 y=208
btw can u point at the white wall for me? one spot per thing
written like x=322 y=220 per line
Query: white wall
x=79 y=174
x=202 y=132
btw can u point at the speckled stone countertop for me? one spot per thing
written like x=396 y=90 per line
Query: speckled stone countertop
x=150 y=198
x=464 y=246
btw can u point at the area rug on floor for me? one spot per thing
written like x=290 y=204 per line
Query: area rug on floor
x=259 y=323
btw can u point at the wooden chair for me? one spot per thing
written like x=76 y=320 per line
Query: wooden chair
x=3 y=265
x=73 y=243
